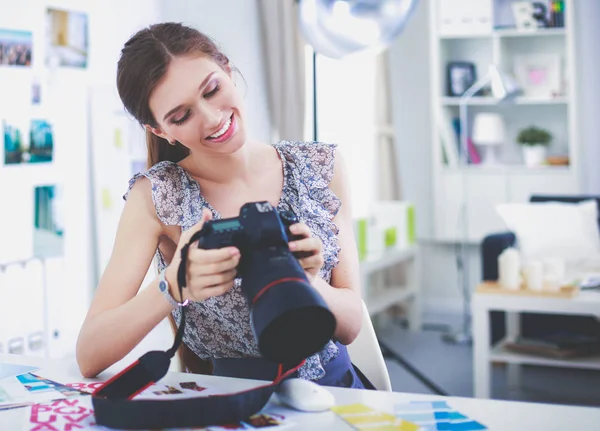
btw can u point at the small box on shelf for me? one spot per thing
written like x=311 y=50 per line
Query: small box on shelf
x=391 y=225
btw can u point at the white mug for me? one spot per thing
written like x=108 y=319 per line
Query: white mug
x=509 y=267
x=534 y=275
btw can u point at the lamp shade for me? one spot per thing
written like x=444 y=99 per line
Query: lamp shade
x=336 y=28
x=488 y=129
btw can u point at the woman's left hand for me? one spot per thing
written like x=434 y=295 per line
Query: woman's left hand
x=310 y=248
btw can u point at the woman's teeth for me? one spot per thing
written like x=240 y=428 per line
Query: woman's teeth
x=223 y=129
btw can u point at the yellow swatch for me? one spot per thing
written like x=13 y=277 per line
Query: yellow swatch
x=106 y=199
x=364 y=418
x=118 y=138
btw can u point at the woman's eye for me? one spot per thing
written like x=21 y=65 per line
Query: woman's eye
x=212 y=92
x=183 y=119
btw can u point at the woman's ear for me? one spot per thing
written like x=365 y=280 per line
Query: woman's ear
x=157 y=131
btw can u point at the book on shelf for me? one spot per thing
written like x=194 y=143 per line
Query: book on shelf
x=558 y=345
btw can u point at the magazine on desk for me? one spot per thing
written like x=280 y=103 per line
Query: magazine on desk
x=67 y=406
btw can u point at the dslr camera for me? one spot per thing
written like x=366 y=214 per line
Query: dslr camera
x=290 y=319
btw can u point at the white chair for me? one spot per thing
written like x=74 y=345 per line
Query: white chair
x=366 y=354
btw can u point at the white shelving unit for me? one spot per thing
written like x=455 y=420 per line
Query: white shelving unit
x=380 y=294
x=471 y=192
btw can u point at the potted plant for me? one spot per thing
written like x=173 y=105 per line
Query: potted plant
x=534 y=142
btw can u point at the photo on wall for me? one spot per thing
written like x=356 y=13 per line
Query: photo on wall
x=15 y=47
x=49 y=211
x=38 y=147
x=67 y=38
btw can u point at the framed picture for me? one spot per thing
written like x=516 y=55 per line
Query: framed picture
x=540 y=75
x=460 y=76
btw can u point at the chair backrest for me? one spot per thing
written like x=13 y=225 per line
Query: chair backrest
x=366 y=354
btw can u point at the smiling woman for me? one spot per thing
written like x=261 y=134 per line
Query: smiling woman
x=202 y=165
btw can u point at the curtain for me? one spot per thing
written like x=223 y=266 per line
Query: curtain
x=283 y=50
x=388 y=177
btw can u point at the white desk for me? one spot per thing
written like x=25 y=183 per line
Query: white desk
x=585 y=303
x=496 y=415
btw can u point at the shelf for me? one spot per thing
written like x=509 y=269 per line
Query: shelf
x=490 y=101
x=386 y=259
x=506 y=33
x=465 y=36
x=500 y=354
x=391 y=295
x=509 y=169
x=513 y=32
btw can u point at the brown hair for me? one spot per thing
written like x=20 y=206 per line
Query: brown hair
x=144 y=61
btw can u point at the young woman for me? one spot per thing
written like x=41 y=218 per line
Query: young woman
x=177 y=83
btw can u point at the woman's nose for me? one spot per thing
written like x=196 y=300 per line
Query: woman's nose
x=212 y=115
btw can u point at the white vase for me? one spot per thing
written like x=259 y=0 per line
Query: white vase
x=534 y=155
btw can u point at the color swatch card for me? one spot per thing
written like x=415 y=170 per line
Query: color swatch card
x=436 y=416
x=364 y=418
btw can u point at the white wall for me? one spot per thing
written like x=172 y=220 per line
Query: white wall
x=64 y=101
x=587 y=35
x=235 y=26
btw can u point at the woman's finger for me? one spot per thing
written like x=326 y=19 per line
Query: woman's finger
x=300 y=229
x=215 y=268
x=311 y=244
x=204 y=257
x=215 y=279
x=217 y=290
x=312 y=262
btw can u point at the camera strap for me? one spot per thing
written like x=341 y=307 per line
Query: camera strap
x=114 y=405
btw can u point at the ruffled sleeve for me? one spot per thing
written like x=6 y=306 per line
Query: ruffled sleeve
x=309 y=170
x=172 y=192
x=315 y=162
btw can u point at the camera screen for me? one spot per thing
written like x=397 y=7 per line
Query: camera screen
x=222 y=225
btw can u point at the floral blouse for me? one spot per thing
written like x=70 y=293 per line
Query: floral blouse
x=220 y=327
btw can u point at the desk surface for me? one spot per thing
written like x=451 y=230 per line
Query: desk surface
x=496 y=415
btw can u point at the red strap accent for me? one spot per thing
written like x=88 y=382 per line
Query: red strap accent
x=274 y=283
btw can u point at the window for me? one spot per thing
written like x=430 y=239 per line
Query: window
x=349 y=113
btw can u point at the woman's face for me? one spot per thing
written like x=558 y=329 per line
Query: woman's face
x=197 y=104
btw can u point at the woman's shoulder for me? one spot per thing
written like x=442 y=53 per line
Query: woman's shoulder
x=169 y=185
x=307 y=149
x=313 y=157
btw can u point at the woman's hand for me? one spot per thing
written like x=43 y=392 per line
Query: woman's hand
x=310 y=248
x=209 y=272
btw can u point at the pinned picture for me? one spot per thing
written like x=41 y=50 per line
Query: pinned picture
x=48 y=236
x=37 y=146
x=15 y=47
x=67 y=38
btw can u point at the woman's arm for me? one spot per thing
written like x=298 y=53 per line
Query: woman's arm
x=119 y=318
x=343 y=294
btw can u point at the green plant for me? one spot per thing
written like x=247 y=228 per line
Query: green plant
x=534 y=136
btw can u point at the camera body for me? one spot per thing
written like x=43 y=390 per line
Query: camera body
x=290 y=319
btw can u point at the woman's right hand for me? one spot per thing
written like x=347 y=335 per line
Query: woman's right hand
x=209 y=272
